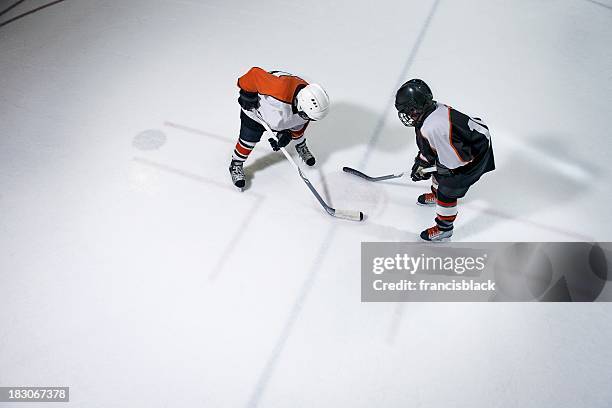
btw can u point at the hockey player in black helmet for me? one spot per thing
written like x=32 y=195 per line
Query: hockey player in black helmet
x=458 y=146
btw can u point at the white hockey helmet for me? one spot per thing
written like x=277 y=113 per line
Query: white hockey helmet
x=313 y=101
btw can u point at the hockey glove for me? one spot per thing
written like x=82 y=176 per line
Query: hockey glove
x=284 y=137
x=417 y=169
x=248 y=100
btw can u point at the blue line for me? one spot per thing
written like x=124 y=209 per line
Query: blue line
x=266 y=374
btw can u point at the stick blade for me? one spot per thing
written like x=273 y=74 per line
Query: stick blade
x=349 y=215
x=356 y=173
x=370 y=178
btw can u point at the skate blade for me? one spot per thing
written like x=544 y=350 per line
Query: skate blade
x=437 y=241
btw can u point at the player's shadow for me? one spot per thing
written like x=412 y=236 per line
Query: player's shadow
x=349 y=125
x=259 y=164
x=346 y=126
x=537 y=179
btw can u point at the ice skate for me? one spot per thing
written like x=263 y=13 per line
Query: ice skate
x=435 y=234
x=305 y=154
x=237 y=172
x=427 y=199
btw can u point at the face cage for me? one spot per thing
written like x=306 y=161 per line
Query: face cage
x=303 y=115
x=406 y=119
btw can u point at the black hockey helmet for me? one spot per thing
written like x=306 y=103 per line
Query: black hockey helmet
x=412 y=100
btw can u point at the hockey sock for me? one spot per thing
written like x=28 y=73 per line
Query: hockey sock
x=242 y=150
x=298 y=140
x=446 y=212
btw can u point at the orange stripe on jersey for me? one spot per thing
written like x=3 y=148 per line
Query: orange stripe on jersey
x=281 y=88
x=450 y=135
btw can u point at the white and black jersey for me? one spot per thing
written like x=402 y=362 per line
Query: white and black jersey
x=452 y=139
x=459 y=146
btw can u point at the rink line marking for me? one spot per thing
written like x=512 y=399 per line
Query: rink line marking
x=395 y=323
x=499 y=214
x=27 y=13
x=396 y=319
x=193 y=176
x=399 y=308
x=568 y=169
x=296 y=309
x=279 y=345
x=214 y=136
x=241 y=228
x=600 y=4
x=402 y=78
x=199 y=132
x=235 y=240
x=12 y=6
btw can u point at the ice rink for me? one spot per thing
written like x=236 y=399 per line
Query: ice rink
x=134 y=272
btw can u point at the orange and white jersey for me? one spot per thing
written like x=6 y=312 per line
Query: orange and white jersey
x=276 y=91
x=452 y=138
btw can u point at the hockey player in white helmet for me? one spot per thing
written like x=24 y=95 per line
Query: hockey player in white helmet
x=286 y=103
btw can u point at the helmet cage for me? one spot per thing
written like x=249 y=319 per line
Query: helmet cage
x=409 y=117
x=304 y=116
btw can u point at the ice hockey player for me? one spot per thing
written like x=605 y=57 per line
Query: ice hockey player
x=286 y=103
x=457 y=145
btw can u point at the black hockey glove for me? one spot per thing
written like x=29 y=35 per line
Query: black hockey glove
x=417 y=173
x=248 y=100
x=284 y=137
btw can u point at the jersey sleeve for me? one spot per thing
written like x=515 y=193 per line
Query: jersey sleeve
x=279 y=87
x=424 y=158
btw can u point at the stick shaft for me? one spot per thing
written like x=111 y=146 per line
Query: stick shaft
x=295 y=166
x=345 y=214
x=358 y=173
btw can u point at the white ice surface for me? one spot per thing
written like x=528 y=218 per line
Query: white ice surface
x=133 y=272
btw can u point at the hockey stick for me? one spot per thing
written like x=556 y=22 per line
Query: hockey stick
x=344 y=214
x=386 y=177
